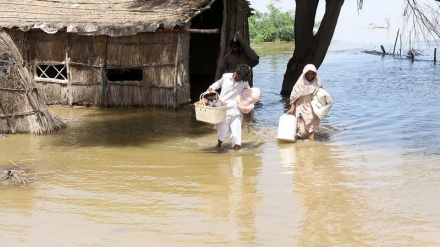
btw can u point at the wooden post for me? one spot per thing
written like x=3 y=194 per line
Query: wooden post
x=224 y=43
x=176 y=71
x=383 y=49
x=67 y=64
x=104 y=82
x=435 y=56
x=400 y=49
x=395 y=42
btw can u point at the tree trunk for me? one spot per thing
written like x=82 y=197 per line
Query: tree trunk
x=310 y=48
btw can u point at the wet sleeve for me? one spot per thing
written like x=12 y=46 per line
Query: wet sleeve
x=218 y=84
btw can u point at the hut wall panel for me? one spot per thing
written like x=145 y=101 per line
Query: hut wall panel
x=53 y=93
x=84 y=52
x=86 y=84
x=159 y=76
x=47 y=47
x=140 y=96
x=142 y=49
x=155 y=53
x=86 y=94
x=19 y=39
x=86 y=75
x=127 y=95
x=87 y=49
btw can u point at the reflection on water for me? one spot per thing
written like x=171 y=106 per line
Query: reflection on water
x=149 y=177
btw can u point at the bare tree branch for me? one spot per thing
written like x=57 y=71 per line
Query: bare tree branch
x=361 y=2
x=422 y=20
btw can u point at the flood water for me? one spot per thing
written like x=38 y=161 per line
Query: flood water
x=150 y=177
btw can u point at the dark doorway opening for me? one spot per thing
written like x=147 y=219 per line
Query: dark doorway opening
x=204 y=50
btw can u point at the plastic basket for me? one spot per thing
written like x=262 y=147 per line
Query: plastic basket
x=209 y=114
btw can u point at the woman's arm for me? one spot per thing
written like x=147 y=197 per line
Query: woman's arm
x=292 y=108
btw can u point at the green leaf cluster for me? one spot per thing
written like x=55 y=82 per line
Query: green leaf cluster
x=275 y=25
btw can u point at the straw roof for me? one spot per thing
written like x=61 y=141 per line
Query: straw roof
x=109 y=17
x=22 y=109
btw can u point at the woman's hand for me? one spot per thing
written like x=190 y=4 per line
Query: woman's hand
x=291 y=110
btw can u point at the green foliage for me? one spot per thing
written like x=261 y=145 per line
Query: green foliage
x=272 y=26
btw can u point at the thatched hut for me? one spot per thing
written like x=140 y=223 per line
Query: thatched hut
x=22 y=109
x=123 y=53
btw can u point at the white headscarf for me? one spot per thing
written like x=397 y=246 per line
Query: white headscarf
x=303 y=87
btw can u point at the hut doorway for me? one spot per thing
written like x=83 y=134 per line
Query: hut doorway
x=204 y=50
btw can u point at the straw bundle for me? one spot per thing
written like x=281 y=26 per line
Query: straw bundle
x=22 y=109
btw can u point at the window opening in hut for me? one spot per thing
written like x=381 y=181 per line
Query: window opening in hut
x=57 y=71
x=134 y=74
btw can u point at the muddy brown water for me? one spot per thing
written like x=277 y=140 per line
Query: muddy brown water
x=149 y=177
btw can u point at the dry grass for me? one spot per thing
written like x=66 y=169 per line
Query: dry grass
x=22 y=109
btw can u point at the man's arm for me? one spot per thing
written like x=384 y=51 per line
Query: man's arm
x=216 y=85
x=254 y=59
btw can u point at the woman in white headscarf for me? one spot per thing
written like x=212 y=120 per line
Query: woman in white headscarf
x=300 y=101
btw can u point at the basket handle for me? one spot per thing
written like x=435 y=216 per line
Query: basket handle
x=208 y=92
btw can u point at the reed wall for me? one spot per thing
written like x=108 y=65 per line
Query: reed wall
x=162 y=58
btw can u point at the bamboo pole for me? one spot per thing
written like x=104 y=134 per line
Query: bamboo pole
x=152 y=65
x=23 y=114
x=189 y=30
x=198 y=12
x=14 y=89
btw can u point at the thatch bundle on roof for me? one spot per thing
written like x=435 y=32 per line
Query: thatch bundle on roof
x=22 y=110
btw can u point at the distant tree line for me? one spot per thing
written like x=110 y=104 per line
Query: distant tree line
x=275 y=25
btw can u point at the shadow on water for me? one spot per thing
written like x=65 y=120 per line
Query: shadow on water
x=127 y=127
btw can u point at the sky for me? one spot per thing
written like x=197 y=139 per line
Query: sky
x=351 y=23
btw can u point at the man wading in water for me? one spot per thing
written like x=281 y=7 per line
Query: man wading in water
x=231 y=84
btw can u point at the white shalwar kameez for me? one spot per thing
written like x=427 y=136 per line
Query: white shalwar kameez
x=228 y=95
